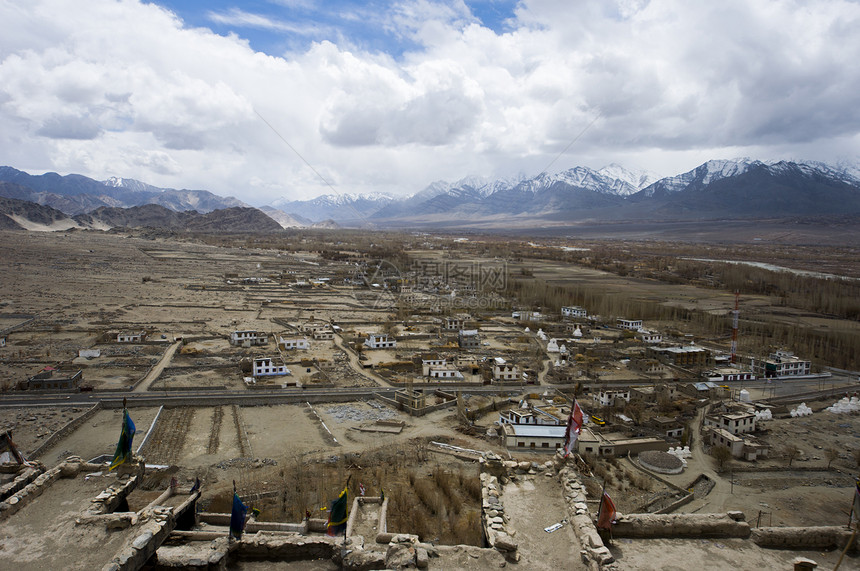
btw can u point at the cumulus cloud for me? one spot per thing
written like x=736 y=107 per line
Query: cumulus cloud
x=128 y=88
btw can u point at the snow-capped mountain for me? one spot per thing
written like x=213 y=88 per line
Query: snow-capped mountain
x=701 y=176
x=76 y=194
x=335 y=206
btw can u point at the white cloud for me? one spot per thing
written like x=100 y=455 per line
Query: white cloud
x=124 y=88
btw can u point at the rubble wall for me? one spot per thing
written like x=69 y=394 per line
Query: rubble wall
x=65 y=430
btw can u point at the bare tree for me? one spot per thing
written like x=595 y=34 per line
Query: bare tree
x=831 y=454
x=791 y=452
x=721 y=454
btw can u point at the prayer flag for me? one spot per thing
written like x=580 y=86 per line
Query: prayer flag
x=338 y=514
x=574 y=426
x=855 y=510
x=606 y=513
x=123 y=447
x=237 y=517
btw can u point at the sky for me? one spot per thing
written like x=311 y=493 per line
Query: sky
x=289 y=99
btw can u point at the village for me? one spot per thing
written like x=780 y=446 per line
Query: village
x=419 y=370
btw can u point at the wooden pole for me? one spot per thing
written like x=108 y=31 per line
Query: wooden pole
x=844 y=551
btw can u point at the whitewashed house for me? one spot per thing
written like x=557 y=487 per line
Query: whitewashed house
x=380 y=341
x=300 y=343
x=324 y=335
x=248 y=338
x=629 y=324
x=124 y=337
x=503 y=371
x=733 y=422
x=444 y=373
x=266 y=367
x=573 y=311
x=649 y=336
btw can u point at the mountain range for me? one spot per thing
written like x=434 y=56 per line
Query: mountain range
x=717 y=189
x=740 y=188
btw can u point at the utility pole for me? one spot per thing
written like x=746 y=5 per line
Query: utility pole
x=735 y=314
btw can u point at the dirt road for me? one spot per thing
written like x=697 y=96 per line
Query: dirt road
x=155 y=372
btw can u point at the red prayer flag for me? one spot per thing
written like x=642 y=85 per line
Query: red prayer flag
x=606 y=514
x=574 y=426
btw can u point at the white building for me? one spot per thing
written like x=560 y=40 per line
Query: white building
x=782 y=364
x=431 y=361
x=733 y=422
x=649 y=336
x=503 y=371
x=293 y=343
x=124 y=337
x=444 y=372
x=611 y=397
x=248 y=338
x=573 y=311
x=323 y=335
x=534 y=438
x=266 y=367
x=380 y=341
x=527 y=315
x=726 y=374
x=747 y=448
x=629 y=324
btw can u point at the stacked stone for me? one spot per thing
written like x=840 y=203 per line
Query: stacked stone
x=29 y=492
x=499 y=536
x=729 y=524
x=593 y=549
x=404 y=552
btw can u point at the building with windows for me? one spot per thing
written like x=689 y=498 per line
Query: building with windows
x=267 y=367
x=629 y=324
x=248 y=338
x=533 y=437
x=727 y=374
x=469 y=339
x=681 y=356
x=504 y=371
x=733 y=422
x=380 y=341
x=125 y=337
x=293 y=343
x=51 y=378
x=782 y=364
x=573 y=311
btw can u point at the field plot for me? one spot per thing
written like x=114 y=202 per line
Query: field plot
x=282 y=430
x=199 y=377
x=30 y=426
x=99 y=435
x=210 y=436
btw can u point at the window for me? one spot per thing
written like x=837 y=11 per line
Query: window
x=545 y=445
x=521 y=444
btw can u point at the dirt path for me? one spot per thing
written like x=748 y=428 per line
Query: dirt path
x=532 y=505
x=701 y=464
x=155 y=372
x=355 y=363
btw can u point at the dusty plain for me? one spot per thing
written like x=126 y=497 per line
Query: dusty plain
x=71 y=291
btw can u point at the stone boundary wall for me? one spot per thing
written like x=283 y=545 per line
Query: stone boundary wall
x=744 y=469
x=651 y=526
x=822 y=537
x=225 y=400
x=68 y=469
x=65 y=430
x=24 y=477
x=594 y=552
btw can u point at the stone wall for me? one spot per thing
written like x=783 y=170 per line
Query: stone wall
x=65 y=430
x=824 y=537
x=730 y=524
x=594 y=552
